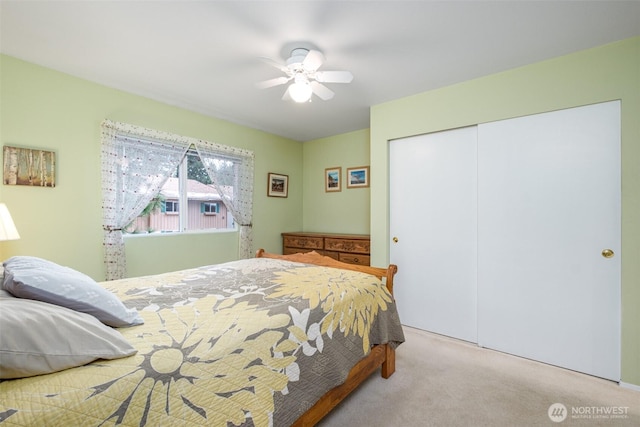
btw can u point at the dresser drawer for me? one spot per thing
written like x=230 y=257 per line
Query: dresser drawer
x=303 y=242
x=349 y=248
x=347 y=245
x=330 y=254
x=355 y=259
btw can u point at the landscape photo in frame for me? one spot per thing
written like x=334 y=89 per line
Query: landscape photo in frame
x=29 y=166
x=358 y=177
x=277 y=185
x=332 y=179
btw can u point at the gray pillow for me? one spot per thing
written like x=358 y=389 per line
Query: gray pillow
x=39 y=338
x=42 y=280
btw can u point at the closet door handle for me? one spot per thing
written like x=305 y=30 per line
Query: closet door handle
x=395 y=240
x=607 y=253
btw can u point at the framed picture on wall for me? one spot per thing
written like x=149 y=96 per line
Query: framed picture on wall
x=358 y=177
x=277 y=185
x=333 y=179
x=29 y=166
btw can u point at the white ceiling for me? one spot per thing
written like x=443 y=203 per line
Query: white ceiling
x=204 y=55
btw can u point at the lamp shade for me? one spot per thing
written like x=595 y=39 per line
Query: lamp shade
x=8 y=229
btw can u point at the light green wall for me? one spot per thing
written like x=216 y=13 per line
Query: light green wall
x=46 y=109
x=42 y=108
x=346 y=211
x=596 y=75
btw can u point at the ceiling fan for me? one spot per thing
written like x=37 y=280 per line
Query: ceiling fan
x=302 y=68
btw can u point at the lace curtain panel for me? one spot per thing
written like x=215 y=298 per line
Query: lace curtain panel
x=136 y=162
x=239 y=197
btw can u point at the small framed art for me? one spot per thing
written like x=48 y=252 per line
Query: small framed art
x=358 y=177
x=29 y=166
x=277 y=185
x=333 y=179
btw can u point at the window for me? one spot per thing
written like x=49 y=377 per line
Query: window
x=171 y=206
x=209 y=208
x=137 y=163
x=190 y=186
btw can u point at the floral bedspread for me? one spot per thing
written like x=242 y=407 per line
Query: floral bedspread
x=250 y=342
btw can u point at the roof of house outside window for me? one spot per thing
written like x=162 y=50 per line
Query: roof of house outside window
x=195 y=190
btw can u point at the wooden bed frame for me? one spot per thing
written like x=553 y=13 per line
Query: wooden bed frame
x=381 y=356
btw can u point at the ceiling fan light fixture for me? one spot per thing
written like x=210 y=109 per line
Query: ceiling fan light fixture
x=300 y=91
x=301 y=70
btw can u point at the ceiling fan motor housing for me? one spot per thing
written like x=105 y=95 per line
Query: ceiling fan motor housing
x=294 y=62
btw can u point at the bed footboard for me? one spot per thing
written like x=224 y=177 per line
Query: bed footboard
x=382 y=356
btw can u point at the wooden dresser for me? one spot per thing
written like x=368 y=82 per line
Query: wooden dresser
x=351 y=248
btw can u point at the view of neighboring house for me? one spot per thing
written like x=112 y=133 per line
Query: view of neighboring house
x=205 y=210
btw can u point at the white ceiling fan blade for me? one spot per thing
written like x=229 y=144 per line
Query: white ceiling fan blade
x=322 y=91
x=275 y=64
x=313 y=60
x=287 y=96
x=334 y=76
x=273 y=82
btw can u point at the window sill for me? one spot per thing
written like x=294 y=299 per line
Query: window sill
x=180 y=233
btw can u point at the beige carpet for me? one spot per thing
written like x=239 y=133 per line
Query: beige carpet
x=441 y=381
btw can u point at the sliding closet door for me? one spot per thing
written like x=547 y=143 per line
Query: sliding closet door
x=433 y=214
x=548 y=213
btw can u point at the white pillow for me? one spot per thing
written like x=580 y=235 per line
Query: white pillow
x=42 y=280
x=39 y=338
